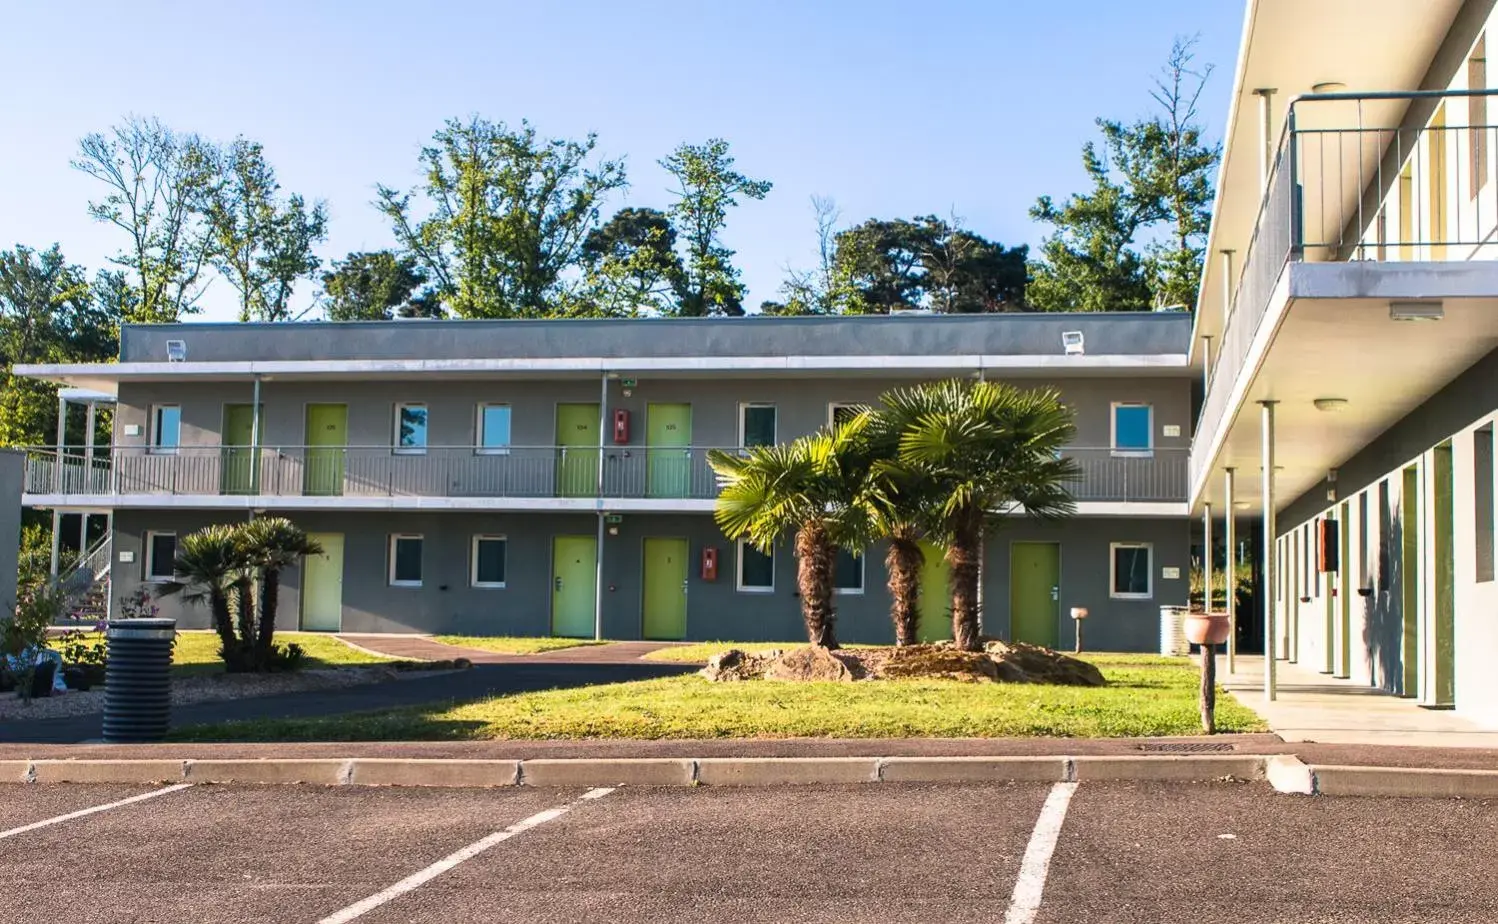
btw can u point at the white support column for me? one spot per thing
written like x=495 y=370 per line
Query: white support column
x=603 y=419
x=1229 y=286
x=1206 y=365
x=1266 y=137
x=1267 y=461
x=1230 y=563
x=62 y=438
x=1207 y=574
x=255 y=439
x=56 y=539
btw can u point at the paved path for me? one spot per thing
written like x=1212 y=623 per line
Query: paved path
x=1321 y=708
x=1225 y=853
x=480 y=681
x=423 y=648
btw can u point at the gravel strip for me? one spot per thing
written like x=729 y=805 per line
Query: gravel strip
x=204 y=688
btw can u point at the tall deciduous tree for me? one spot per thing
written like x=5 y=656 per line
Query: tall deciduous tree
x=158 y=185
x=377 y=286
x=927 y=262
x=1135 y=239
x=707 y=186
x=261 y=243
x=47 y=314
x=507 y=213
x=632 y=266
x=818 y=290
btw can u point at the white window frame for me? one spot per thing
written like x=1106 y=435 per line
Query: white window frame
x=151 y=576
x=863 y=575
x=478 y=430
x=1149 y=571
x=153 y=431
x=832 y=407
x=739 y=584
x=395 y=429
x=390 y=553
x=1113 y=430
x=473 y=560
x=744 y=406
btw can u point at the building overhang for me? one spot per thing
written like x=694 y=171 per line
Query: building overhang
x=1341 y=370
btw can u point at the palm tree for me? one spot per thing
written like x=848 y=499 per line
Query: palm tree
x=212 y=563
x=272 y=544
x=902 y=501
x=817 y=488
x=986 y=448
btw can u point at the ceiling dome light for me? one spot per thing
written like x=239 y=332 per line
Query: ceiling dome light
x=1330 y=405
x=1328 y=86
x=1241 y=505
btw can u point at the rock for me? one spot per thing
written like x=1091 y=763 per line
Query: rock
x=737 y=664
x=942 y=662
x=1042 y=665
x=810 y=663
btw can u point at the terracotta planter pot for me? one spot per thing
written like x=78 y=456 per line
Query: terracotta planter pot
x=1207 y=628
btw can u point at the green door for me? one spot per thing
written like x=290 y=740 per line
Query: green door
x=1444 y=578
x=574 y=573
x=577 y=451
x=1345 y=592
x=668 y=436
x=322 y=585
x=665 y=602
x=1034 y=592
x=327 y=441
x=1409 y=570
x=240 y=473
x=936 y=597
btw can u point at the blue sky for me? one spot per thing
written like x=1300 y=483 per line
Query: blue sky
x=891 y=108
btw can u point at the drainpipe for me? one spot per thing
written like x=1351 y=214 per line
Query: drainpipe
x=255 y=441
x=1232 y=570
x=1271 y=645
x=603 y=415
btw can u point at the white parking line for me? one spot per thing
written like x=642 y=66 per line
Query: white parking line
x=414 y=880
x=1030 y=886
x=90 y=811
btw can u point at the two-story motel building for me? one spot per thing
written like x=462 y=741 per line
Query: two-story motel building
x=1336 y=391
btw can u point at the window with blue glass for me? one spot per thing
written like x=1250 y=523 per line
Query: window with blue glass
x=411 y=428
x=494 y=428
x=847 y=573
x=1133 y=427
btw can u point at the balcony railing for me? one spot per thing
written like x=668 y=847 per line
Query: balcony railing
x=1360 y=177
x=471 y=472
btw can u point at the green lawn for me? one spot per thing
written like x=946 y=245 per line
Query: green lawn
x=1142 y=698
x=517 y=645
x=197 y=652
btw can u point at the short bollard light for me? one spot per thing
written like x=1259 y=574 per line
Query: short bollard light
x=138 y=680
x=1079 y=613
x=1208 y=630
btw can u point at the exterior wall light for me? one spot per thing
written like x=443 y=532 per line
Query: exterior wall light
x=1330 y=405
x=1416 y=311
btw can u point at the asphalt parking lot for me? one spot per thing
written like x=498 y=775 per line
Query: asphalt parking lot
x=1096 y=852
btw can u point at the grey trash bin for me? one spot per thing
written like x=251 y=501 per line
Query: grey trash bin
x=138 y=680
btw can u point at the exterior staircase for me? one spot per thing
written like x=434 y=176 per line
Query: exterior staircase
x=87 y=584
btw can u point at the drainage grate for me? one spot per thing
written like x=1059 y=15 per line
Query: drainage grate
x=1187 y=747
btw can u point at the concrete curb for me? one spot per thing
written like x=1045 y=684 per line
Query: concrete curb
x=1284 y=773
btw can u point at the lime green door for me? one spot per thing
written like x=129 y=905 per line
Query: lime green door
x=327 y=441
x=1443 y=581
x=322 y=585
x=936 y=598
x=665 y=602
x=1034 y=592
x=1409 y=571
x=668 y=434
x=574 y=564
x=240 y=473
x=577 y=451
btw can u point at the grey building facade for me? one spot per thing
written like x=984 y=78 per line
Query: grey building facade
x=535 y=478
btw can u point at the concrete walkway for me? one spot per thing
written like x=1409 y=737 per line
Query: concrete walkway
x=1321 y=708
x=424 y=648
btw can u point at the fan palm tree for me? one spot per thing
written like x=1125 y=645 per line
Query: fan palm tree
x=986 y=448
x=272 y=544
x=816 y=488
x=901 y=504
x=211 y=563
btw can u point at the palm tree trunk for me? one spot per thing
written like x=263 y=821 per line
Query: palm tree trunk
x=903 y=561
x=963 y=557
x=270 y=584
x=815 y=559
x=244 y=598
x=223 y=621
